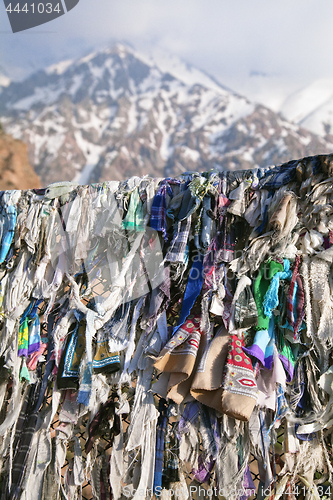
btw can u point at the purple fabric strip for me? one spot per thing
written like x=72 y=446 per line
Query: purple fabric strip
x=202 y=473
x=33 y=348
x=248 y=485
x=268 y=363
x=326 y=242
x=22 y=352
x=288 y=367
x=255 y=351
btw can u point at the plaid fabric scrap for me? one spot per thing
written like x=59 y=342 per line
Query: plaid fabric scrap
x=160 y=438
x=26 y=427
x=171 y=457
x=278 y=176
x=178 y=248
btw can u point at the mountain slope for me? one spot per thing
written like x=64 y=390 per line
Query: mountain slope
x=115 y=113
x=15 y=171
x=312 y=107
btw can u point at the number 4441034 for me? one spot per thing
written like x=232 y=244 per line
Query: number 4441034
x=323 y=491
x=39 y=8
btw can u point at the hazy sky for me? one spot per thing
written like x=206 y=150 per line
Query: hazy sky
x=291 y=41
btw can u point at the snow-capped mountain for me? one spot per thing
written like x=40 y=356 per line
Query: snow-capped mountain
x=312 y=107
x=115 y=113
x=268 y=89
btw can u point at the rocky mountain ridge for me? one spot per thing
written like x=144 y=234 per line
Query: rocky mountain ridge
x=115 y=113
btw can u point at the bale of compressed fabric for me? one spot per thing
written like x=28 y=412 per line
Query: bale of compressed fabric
x=159 y=335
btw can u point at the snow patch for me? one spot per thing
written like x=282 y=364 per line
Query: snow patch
x=146 y=103
x=41 y=95
x=83 y=177
x=76 y=84
x=248 y=155
x=305 y=140
x=92 y=152
x=87 y=58
x=59 y=68
x=186 y=73
x=132 y=119
x=241 y=128
x=4 y=81
x=191 y=154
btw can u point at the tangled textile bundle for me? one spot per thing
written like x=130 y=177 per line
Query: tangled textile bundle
x=184 y=321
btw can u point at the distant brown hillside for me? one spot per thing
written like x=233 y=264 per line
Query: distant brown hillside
x=15 y=169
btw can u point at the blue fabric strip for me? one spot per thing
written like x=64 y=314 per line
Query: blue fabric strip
x=160 y=438
x=193 y=289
